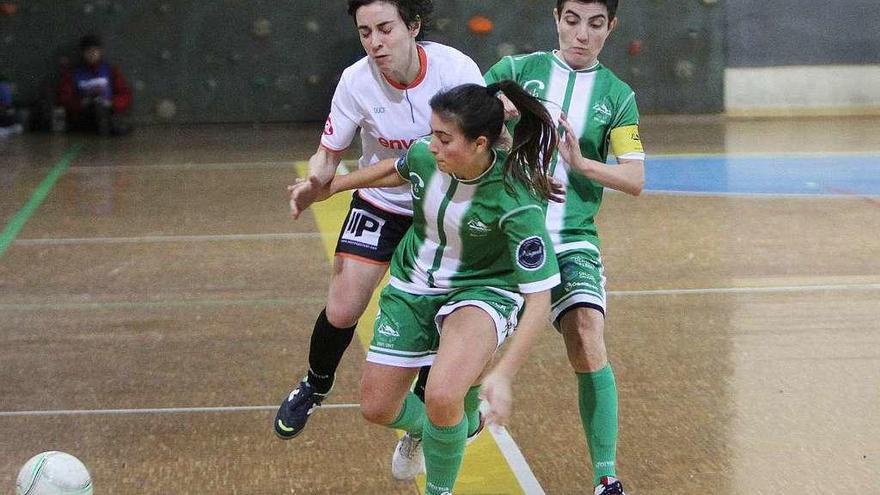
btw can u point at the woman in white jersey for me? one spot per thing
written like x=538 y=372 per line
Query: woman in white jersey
x=385 y=95
x=598 y=114
x=477 y=252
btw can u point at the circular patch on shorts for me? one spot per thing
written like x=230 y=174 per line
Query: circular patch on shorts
x=531 y=254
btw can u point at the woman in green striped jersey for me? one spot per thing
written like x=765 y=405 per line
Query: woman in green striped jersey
x=597 y=114
x=476 y=265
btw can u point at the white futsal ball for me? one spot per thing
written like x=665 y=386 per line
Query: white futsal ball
x=53 y=473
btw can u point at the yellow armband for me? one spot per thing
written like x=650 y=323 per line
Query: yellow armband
x=625 y=140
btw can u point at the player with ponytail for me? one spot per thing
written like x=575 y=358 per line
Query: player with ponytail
x=476 y=266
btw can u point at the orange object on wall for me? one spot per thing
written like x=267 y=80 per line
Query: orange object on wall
x=8 y=8
x=480 y=24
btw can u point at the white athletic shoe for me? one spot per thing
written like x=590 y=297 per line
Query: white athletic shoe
x=472 y=437
x=408 y=460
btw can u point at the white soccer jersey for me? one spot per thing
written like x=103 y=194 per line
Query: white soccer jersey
x=392 y=117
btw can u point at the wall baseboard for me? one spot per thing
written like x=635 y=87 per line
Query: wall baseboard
x=828 y=90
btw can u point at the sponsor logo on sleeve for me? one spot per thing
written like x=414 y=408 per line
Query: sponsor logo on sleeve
x=328 y=127
x=531 y=254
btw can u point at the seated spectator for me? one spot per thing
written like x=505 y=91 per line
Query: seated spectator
x=9 y=123
x=95 y=93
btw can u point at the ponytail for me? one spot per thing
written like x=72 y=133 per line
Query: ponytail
x=479 y=112
x=534 y=141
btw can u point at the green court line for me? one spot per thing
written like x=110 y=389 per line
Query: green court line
x=17 y=223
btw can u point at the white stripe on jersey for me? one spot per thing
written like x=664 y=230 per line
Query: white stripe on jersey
x=411 y=288
x=556 y=94
x=435 y=193
x=579 y=110
x=569 y=246
x=452 y=219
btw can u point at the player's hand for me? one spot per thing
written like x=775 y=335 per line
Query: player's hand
x=570 y=147
x=510 y=111
x=305 y=192
x=497 y=392
x=557 y=190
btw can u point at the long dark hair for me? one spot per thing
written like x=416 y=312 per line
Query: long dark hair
x=478 y=112
x=410 y=11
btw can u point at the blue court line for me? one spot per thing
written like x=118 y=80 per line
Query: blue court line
x=855 y=174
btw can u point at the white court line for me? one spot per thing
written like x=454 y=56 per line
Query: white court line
x=167 y=238
x=742 y=290
x=517 y=462
x=166 y=410
x=178 y=166
x=515 y=459
x=746 y=195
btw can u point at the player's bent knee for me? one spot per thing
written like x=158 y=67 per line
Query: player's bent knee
x=342 y=315
x=443 y=406
x=377 y=411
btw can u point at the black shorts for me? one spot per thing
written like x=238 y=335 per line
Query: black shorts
x=370 y=232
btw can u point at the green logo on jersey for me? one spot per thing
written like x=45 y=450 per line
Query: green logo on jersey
x=417 y=185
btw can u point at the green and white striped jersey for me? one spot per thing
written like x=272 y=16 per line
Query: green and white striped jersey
x=602 y=111
x=473 y=233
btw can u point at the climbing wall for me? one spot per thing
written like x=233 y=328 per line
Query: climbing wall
x=670 y=51
x=265 y=60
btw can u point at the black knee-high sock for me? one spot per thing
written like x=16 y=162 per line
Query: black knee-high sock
x=419 y=388
x=328 y=344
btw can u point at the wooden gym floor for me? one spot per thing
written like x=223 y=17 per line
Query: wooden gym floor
x=156 y=305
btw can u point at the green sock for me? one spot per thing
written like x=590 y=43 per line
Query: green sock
x=444 y=449
x=412 y=416
x=597 y=394
x=472 y=409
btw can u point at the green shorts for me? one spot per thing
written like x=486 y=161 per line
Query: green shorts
x=407 y=329
x=583 y=283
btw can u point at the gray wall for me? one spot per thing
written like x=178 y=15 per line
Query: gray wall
x=207 y=57
x=763 y=33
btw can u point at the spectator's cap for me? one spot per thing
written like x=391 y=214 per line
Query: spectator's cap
x=90 y=41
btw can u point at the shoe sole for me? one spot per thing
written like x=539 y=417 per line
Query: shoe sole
x=473 y=438
x=285 y=436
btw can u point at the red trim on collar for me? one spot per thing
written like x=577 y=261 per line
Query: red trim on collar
x=423 y=70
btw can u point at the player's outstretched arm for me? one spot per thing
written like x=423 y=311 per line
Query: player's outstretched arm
x=496 y=389
x=323 y=164
x=380 y=174
x=311 y=190
x=322 y=168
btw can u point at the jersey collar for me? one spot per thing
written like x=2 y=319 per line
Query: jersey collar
x=485 y=172
x=423 y=69
x=559 y=61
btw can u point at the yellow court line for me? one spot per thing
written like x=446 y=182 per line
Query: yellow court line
x=485 y=470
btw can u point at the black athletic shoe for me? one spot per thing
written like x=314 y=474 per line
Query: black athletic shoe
x=609 y=486
x=296 y=409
